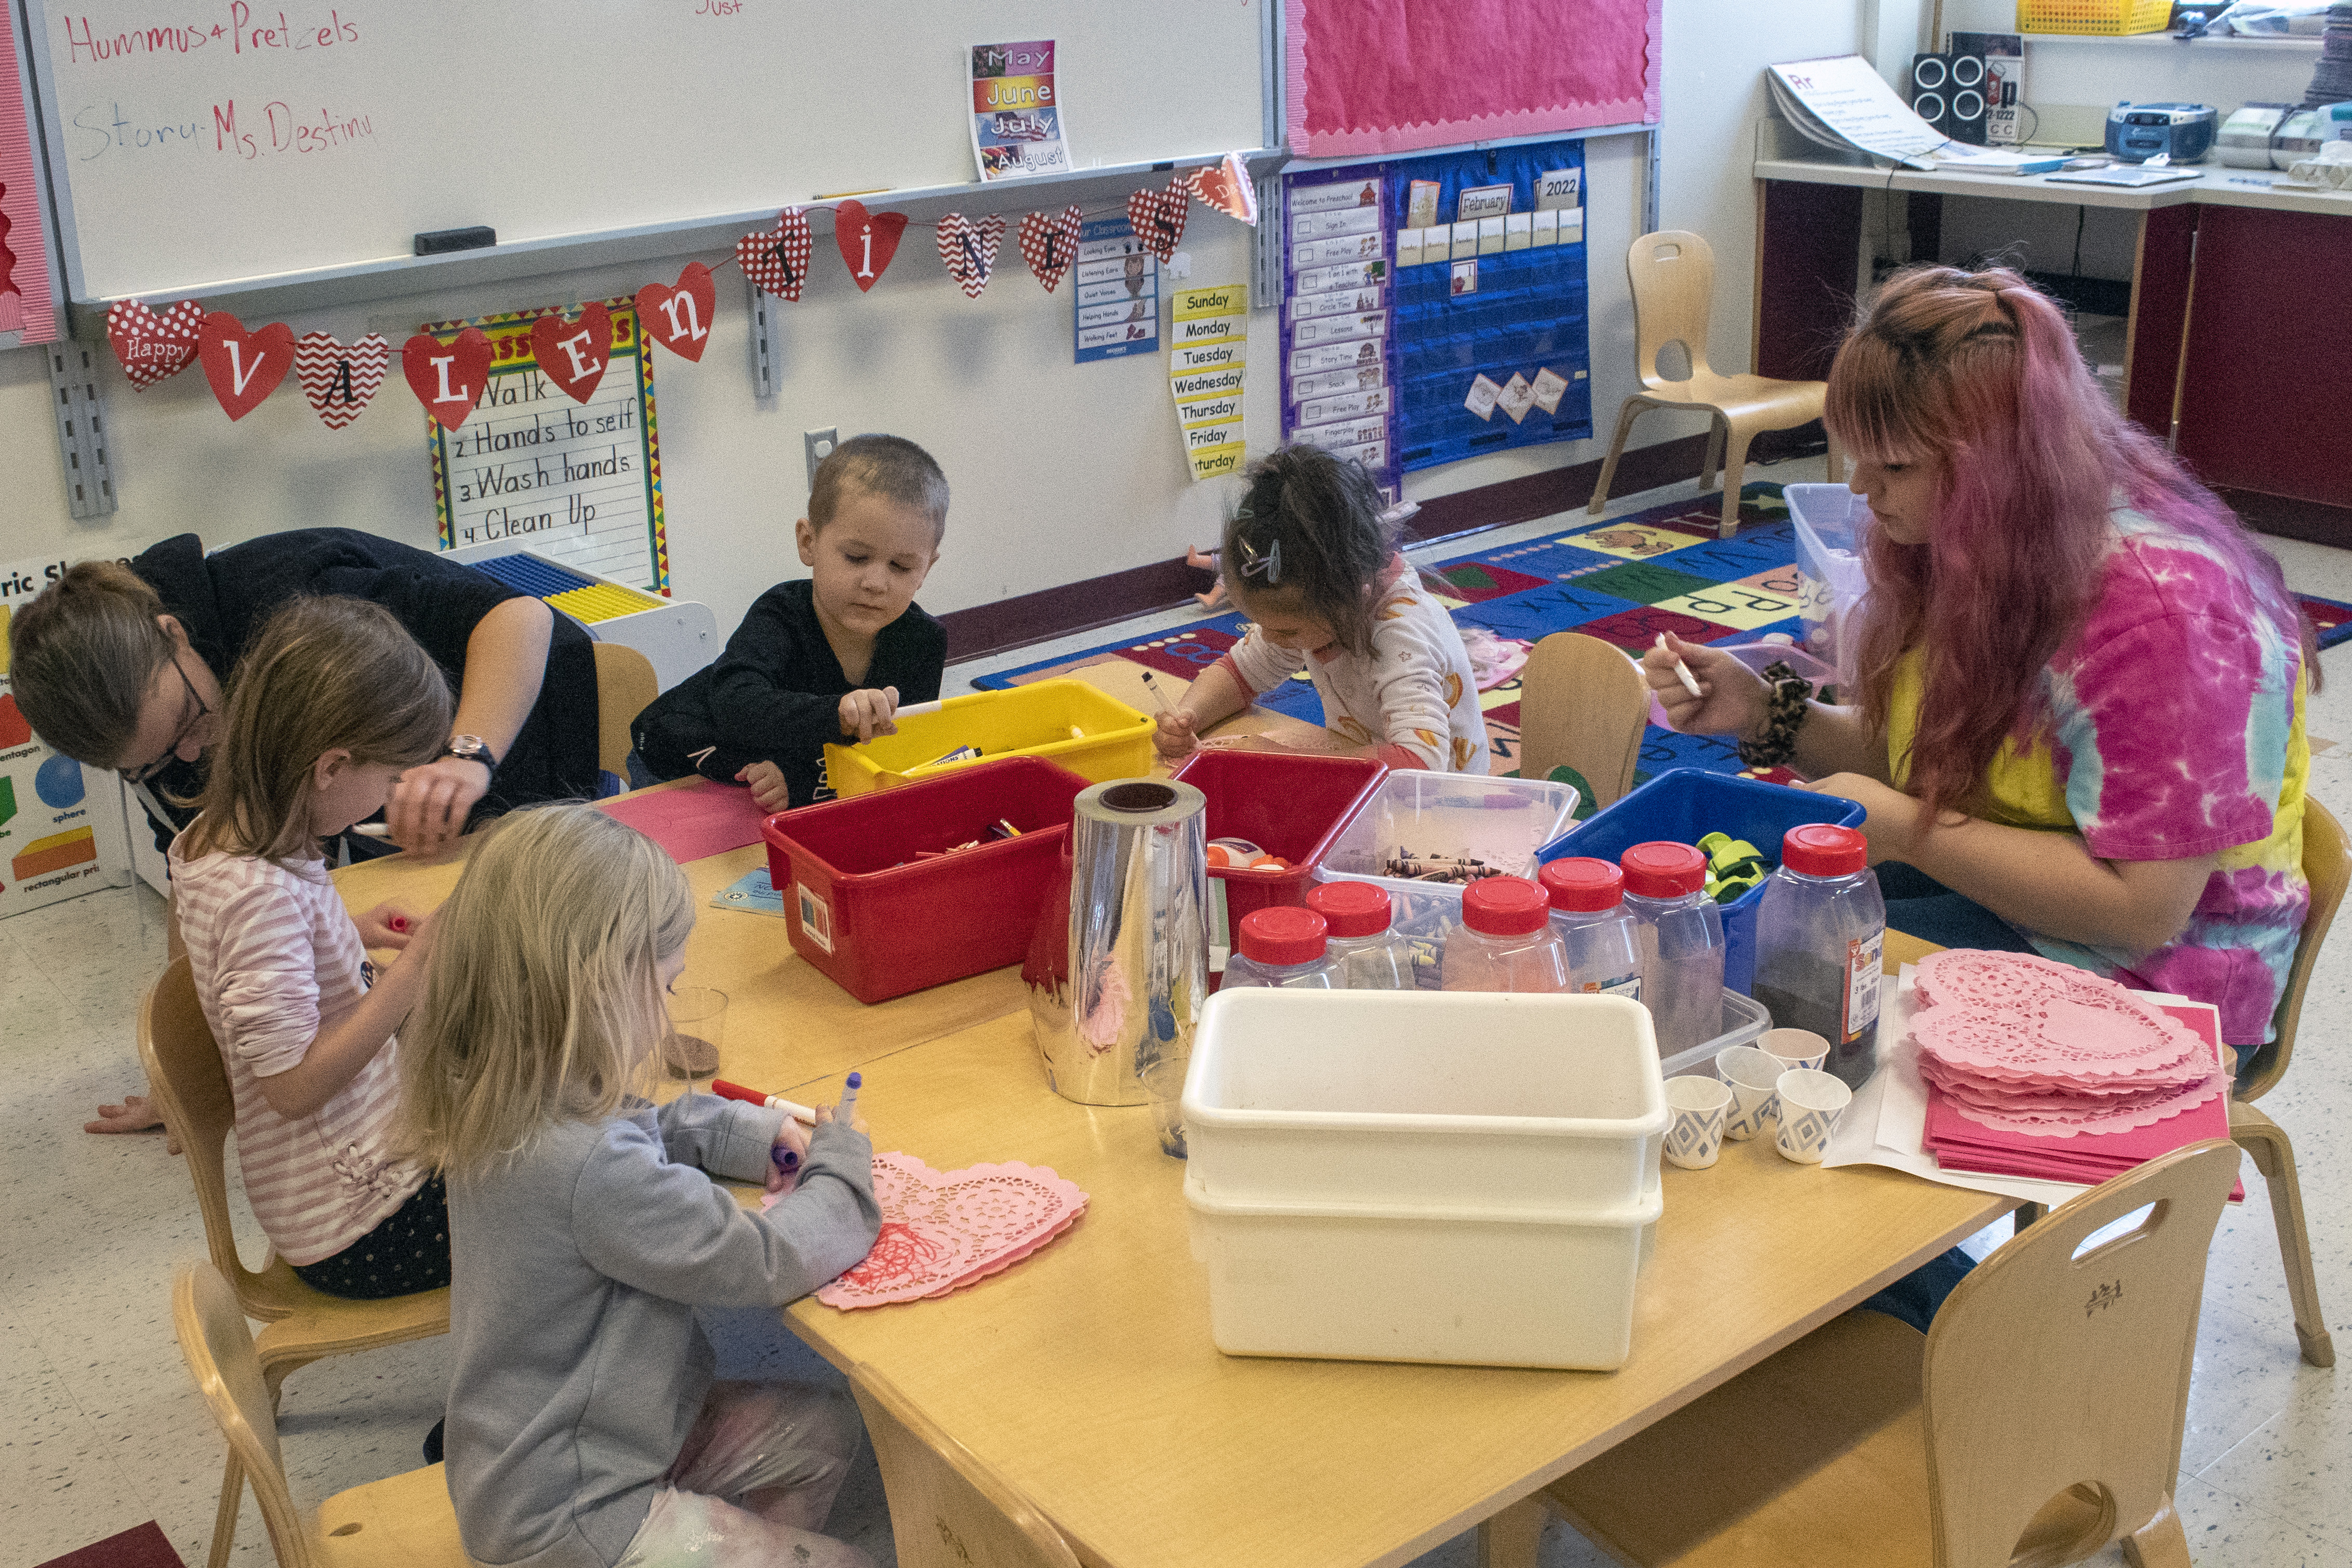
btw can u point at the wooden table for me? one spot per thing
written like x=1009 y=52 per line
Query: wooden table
x=1085 y=1373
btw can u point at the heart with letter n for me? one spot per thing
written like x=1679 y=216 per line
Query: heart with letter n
x=778 y=259
x=968 y=249
x=678 y=315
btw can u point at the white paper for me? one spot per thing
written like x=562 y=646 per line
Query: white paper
x=1548 y=385
x=1516 y=398
x=1846 y=96
x=1484 y=394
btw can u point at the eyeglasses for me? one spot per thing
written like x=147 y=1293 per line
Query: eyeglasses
x=188 y=723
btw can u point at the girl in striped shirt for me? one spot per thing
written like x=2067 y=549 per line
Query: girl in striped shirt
x=331 y=700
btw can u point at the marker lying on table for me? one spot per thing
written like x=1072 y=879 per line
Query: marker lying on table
x=1682 y=670
x=798 y=1113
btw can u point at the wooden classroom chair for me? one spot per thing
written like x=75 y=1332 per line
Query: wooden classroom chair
x=1673 y=275
x=625 y=687
x=404 y=1521
x=190 y=1084
x=2040 y=1420
x=2327 y=866
x=1583 y=703
x=948 y=1508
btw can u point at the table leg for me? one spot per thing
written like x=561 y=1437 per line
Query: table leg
x=1509 y=1539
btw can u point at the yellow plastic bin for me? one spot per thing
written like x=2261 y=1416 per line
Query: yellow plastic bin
x=2109 y=19
x=1067 y=723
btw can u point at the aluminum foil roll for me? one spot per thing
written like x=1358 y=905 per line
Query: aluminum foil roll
x=1119 y=966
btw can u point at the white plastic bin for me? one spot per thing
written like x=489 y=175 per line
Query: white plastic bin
x=1483 y=1101
x=1828 y=520
x=1422 y=1284
x=1745 y=1020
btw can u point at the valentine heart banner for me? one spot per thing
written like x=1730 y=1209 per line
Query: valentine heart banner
x=558 y=450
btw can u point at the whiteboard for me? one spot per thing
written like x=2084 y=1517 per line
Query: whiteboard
x=204 y=142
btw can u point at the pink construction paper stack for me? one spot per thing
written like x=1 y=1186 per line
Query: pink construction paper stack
x=2040 y=1070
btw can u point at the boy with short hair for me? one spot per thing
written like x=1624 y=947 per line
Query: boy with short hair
x=825 y=658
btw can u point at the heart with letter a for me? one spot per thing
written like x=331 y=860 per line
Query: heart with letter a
x=153 y=348
x=1226 y=186
x=778 y=259
x=867 y=240
x=447 y=378
x=1158 y=218
x=1049 y=244
x=968 y=249
x=678 y=315
x=244 y=367
x=573 y=354
x=340 y=379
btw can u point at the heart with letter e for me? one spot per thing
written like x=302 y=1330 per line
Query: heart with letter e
x=778 y=259
x=153 y=348
x=244 y=367
x=573 y=354
x=1049 y=243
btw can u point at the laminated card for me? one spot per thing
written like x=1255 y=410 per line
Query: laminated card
x=1208 y=349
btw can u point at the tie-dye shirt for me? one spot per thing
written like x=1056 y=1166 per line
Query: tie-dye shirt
x=1415 y=701
x=2175 y=731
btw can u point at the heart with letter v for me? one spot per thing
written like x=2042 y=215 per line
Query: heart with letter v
x=968 y=249
x=1158 y=218
x=1226 y=186
x=447 y=378
x=574 y=354
x=153 y=348
x=778 y=259
x=244 y=367
x=867 y=240
x=1049 y=243
x=340 y=379
x=679 y=315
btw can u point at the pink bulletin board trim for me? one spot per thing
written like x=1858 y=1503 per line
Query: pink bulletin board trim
x=1528 y=119
x=28 y=293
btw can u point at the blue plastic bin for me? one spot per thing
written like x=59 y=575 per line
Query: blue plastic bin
x=1683 y=805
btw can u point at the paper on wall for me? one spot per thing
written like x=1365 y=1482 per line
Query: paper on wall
x=1016 y=115
x=1208 y=351
x=1844 y=102
x=1117 y=295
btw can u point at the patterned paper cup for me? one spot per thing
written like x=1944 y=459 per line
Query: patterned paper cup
x=1811 y=1104
x=1794 y=1048
x=1752 y=1076
x=1700 y=1106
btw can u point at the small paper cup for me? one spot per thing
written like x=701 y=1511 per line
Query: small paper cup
x=1810 y=1103
x=1752 y=1076
x=1794 y=1048
x=1700 y=1106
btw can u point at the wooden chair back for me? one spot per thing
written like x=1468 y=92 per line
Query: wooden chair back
x=185 y=1075
x=2045 y=1369
x=1583 y=703
x=1673 y=277
x=2327 y=866
x=210 y=1325
x=949 y=1509
x=625 y=685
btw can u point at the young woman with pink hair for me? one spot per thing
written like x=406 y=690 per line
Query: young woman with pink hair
x=2078 y=722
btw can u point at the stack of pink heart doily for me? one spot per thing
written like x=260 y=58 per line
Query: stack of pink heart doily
x=944 y=1231
x=2022 y=1045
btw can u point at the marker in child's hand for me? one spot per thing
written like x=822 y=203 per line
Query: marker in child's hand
x=798 y=1113
x=848 y=1106
x=398 y=925
x=373 y=829
x=1682 y=670
x=785 y=1158
x=1158 y=696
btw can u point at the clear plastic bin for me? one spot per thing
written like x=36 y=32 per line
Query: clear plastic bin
x=1828 y=520
x=1744 y=1023
x=1504 y=822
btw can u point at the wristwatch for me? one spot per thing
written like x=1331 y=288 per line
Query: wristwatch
x=471 y=749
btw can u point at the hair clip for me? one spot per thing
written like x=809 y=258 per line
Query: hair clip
x=1268 y=566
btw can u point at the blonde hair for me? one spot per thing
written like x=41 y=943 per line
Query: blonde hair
x=542 y=1003
x=322 y=674
x=82 y=655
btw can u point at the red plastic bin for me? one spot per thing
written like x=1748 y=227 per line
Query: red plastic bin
x=878 y=922
x=1293 y=807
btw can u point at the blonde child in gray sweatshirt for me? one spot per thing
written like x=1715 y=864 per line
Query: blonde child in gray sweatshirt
x=584 y=1427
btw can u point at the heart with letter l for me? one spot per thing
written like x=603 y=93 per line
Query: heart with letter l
x=573 y=354
x=867 y=240
x=944 y=1231
x=244 y=367
x=1158 y=218
x=968 y=249
x=1225 y=186
x=679 y=315
x=1049 y=243
x=153 y=348
x=447 y=378
x=340 y=379
x=778 y=259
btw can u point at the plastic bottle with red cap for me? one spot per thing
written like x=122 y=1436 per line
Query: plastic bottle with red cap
x=1821 y=937
x=1681 y=934
x=1283 y=946
x=1587 y=909
x=1504 y=941
x=1371 y=955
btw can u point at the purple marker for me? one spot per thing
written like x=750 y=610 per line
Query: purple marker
x=784 y=1158
x=848 y=1106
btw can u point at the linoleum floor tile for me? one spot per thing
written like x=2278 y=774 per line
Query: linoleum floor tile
x=2298 y=1464
x=2225 y=1531
x=60 y=1488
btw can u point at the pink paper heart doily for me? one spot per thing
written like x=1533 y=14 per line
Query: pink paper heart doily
x=944 y=1231
x=2059 y=1122
x=2062 y=1041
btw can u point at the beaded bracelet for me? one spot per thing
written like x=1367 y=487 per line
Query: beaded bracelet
x=1786 y=710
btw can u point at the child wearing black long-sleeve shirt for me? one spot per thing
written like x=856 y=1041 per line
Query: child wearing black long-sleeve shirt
x=828 y=658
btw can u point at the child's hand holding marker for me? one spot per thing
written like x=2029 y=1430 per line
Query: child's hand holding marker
x=1173 y=737
x=387 y=928
x=847 y=1111
x=868 y=713
x=1705 y=691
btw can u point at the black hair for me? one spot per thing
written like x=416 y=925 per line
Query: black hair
x=1309 y=525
